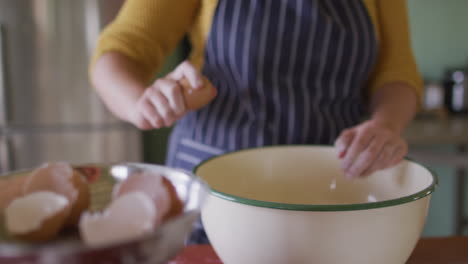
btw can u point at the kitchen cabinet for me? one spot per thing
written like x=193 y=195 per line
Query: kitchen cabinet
x=442 y=145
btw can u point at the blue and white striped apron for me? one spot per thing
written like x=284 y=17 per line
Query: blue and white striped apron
x=287 y=72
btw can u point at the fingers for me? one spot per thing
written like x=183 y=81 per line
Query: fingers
x=381 y=161
x=172 y=91
x=392 y=153
x=188 y=71
x=343 y=142
x=366 y=158
x=398 y=155
x=148 y=114
x=136 y=117
x=369 y=147
x=161 y=104
x=360 y=142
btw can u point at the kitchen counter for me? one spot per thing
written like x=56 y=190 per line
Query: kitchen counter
x=451 y=130
x=450 y=250
x=424 y=133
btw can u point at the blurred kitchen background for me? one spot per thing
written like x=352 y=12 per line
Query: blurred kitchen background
x=48 y=110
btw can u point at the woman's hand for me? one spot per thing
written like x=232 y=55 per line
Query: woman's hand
x=123 y=88
x=369 y=147
x=163 y=103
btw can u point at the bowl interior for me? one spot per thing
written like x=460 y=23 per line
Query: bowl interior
x=307 y=175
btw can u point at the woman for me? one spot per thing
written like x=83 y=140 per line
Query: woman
x=287 y=72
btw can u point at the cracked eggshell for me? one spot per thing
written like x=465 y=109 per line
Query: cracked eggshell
x=10 y=189
x=128 y=217
x=37 y=217
x=61 y=178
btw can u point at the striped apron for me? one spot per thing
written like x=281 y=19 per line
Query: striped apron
x=287 y=72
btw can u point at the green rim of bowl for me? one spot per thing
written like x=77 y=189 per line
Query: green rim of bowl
x=319 y=207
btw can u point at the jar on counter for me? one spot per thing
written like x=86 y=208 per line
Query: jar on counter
x=433 y=98
x=456 y=93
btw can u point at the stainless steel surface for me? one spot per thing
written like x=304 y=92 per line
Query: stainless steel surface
x=44 y=88
x=158 y=247
x=5 y=159
x=3 y=103
x=48 y=46
x=85 y=146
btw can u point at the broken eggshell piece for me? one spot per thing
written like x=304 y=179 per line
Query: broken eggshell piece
x=150 y=184
x=61 y=178
x=10 y=189
x=159 y=246
x=37 y=217
x=128 y=217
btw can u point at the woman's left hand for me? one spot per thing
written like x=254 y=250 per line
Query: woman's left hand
x=369 y=147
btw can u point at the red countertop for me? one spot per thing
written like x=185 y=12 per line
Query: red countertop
x=449 y=250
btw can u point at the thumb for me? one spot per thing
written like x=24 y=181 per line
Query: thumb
x=188 y=73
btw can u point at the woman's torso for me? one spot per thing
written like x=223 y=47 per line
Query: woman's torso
x=287 y=72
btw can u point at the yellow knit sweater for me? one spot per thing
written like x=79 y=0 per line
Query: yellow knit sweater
x=148 y=30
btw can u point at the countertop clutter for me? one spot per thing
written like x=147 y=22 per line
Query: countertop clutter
x=425 y=133
x=433 y=130
x=449 y=250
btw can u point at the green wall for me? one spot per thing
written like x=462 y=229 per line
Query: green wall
x=439 y=30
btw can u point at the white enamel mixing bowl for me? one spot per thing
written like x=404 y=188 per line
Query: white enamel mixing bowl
x=281 y=205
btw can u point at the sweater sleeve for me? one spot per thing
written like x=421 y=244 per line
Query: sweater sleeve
x=395 y=60
x=146 y=31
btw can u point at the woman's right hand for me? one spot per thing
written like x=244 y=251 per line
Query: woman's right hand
x=164 y=102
